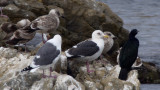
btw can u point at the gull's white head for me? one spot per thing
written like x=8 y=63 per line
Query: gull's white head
x=56 y=40
x=58 y=37
x=98 y=34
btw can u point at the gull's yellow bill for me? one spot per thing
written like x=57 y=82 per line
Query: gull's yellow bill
x=106 y=36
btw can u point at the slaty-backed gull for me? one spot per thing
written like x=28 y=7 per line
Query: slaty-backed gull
x=88 y=50
x=47 y=56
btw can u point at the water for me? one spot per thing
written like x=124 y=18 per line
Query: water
x=150 y=87
x=143 y=15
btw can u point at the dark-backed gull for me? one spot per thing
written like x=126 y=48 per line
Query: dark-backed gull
x=47 y=23
x=47 y=55
x=88 y=50
x=128 y=54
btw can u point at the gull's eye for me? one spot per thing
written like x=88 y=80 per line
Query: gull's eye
x=99 y=33
x=109 y=34
x=58 y=13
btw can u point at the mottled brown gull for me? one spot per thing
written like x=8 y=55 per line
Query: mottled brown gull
x=47 y=23
x=108 y=42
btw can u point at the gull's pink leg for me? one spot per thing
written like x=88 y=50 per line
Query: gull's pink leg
x=87 y=65
x=44 y=76
x=51 y=70
x=43 y=39
x=2 y=13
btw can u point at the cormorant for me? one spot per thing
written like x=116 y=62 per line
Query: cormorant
x=128 y=54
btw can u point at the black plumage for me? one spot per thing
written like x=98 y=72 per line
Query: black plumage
x=83 y=49
x=27 y=69
x=128 y=54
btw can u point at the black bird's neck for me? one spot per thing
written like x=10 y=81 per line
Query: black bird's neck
x=131 y=36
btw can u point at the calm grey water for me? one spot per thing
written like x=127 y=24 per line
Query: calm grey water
x=143 y=15
x=150 y=87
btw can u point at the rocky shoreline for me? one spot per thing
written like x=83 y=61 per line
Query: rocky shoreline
x=105 y=76
x=82 y=17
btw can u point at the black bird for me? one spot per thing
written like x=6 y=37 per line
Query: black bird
x=128 y=54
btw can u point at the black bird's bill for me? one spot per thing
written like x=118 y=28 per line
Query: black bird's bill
x=63 y=17
x=115 y=37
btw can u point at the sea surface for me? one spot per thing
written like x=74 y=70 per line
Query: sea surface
x=143 y=15
x=150 y=87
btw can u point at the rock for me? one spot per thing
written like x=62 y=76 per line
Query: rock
x=82 y=17
x=3 y=19
x=65 y=82
x=7 y=53
x=31 y=5
x=11 y=10
x=104 y=76
x=149 y=74
x=112 y=82
x=12 y=62
x=15 y=13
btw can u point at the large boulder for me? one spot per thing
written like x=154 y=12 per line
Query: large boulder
x=82 y=17
x=104 y=77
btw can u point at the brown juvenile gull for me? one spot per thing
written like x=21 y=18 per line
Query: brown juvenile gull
x=22 y=35
x=108 y=42
x=3 y=3
x=23 y=23
x=9 y=28
x=47 y=56
x=47 y=23
x=88 y=50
